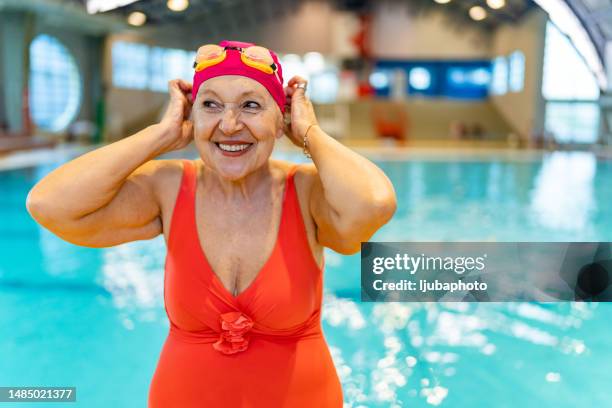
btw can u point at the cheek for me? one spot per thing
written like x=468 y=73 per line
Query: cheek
x=203 y=126
x=264 y=129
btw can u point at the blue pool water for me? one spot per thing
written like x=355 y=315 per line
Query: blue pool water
x=94 y=318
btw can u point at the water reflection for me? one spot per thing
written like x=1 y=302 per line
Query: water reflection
x=410 y=352
x=494 y=200
x=133 y=274
x=394 y=354
x=562 y=197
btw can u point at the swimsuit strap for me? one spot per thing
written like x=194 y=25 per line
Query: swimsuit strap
x=292 y=170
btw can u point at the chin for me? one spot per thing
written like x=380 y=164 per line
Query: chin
x=233 y=169
x=232 y=174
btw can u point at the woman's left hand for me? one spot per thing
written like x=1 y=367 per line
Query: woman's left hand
x=299 y=109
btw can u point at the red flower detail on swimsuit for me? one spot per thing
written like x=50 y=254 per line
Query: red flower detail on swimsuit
x=232 y=339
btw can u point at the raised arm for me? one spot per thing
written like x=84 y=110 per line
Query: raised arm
x=350 y=197
x=108 y=196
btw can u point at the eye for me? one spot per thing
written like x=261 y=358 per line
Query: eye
x=251 y=105
x=210 y=104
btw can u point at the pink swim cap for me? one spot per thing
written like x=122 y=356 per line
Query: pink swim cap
x=233 y=65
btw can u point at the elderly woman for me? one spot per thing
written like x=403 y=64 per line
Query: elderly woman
x=244 y=233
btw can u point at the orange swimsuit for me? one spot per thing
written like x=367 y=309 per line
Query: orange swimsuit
x=261 y=348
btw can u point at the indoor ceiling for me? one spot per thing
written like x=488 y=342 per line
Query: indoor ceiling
x=220 y=16
x=239 y=12
x=227 y=15
x=596 y=17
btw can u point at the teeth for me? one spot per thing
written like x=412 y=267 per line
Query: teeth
x=233 y=148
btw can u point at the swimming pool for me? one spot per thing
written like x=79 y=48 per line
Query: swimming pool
x=94 y=318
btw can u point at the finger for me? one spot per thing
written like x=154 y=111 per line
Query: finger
x=184 y=85
x=174 y=89
x=299 y=92
x=300 y=89
x=296 y=79
x=172 y=85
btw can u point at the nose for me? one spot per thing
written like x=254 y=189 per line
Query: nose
x=229 y=123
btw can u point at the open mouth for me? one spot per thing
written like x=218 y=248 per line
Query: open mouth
x=234 y=148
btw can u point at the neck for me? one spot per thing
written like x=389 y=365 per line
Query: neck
x=243 y=189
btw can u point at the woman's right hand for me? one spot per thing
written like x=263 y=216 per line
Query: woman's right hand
x=176 y=125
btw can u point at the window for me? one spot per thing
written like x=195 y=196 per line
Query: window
x=167 y=64
x=454 y=79
x=130 y=65
x=293 y=65
x=55 y=84
x=322 y=75
x=517 y=71
x=324 y=86
x=566 y=75
x=100 y=6
x=380 y=80
x=570 y=90
x=572 y=122
x=499 y=83
x=419 y=78
x=139 y=66
x=468 y=82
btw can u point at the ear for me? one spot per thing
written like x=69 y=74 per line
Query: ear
x=280 y=125
x=280 y=133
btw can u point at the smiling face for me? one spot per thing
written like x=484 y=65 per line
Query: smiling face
x=236 y=122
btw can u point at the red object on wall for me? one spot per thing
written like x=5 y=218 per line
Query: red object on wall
x=362 y=38
x=364 y=89
x=390 y=120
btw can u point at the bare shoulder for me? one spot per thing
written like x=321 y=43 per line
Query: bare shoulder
x=305 y=175
x=161 y=177
x=166 y=176
x=162 y=171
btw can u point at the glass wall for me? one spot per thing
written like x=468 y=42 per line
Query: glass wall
x=140 y=66
x=570 y=90
x=447 y=79
x=55 y=84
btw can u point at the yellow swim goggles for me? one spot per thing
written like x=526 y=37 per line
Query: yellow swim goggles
x=253 y=56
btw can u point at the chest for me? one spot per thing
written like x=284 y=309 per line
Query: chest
x=238 y=240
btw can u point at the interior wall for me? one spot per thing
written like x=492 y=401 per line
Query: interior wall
x=313 y=26
x=308 y=28
x=399 y=33
x=427 y=119
x=523 y=110
x=13 y=58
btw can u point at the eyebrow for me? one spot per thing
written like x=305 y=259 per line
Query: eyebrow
x=243 y=94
